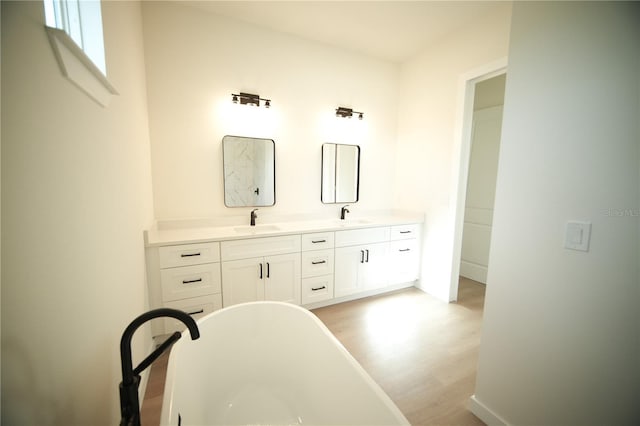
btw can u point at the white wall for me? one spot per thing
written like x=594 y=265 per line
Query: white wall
x=560 y=338
x=426 y=166
x=196 y=59
x=76 y=196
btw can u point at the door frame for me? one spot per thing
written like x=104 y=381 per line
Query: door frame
x=462 y=157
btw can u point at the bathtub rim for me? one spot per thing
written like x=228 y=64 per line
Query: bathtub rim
x=167 y=398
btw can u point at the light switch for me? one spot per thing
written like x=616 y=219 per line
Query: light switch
x=577 y=235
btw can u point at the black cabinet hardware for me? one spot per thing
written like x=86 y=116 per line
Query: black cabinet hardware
x=318 y=241
x=197 y=280
x=319 y=262
x=318 y=288
x=196 y=312
x=189 y=254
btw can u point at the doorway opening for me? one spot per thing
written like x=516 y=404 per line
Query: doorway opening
x=480 y=129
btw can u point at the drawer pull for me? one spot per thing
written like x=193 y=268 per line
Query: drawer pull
x=405 y=232
x=404 y=250
x=318 y=241
x=318 y=288
x=196 y=312
x=197 y=280
x=189 y=254
x=319 y=262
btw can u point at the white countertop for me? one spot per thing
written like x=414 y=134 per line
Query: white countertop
x=162 y=236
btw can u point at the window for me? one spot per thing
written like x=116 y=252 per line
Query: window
x=82 y=21
x=74 y=28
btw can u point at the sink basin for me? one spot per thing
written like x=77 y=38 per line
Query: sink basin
x=255 y=229
x=348 y=222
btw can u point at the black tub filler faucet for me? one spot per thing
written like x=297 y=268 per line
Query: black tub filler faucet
x=129 y=403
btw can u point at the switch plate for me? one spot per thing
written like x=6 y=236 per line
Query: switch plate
x=577 y=235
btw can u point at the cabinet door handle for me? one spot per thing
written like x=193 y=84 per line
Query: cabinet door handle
x=367 y=256
x=318 y=288
x=318 y=241
x=260 y=270
x=197 y=280
x=404 y=250
x=268 y=267
x=319 y=262
x=405 y=232
x=195 y=312
x=189 y=254
x=361 y=256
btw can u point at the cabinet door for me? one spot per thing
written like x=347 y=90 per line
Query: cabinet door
x=404 y=261
x=242 y=281
x=348 y=264
x=375 y=268
x=282 y=278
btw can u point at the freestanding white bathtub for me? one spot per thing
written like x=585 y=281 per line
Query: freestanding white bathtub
x=269 y=363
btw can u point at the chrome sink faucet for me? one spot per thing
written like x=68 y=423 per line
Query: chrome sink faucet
x=253 y=217
x=343 y=212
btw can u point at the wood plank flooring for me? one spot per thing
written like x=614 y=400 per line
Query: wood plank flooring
x=421 y=351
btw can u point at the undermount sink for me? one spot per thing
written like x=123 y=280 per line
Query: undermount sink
x=256 y=228
x=347 y=222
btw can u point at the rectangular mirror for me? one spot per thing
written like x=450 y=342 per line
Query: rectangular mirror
x=249 y=171
x=340 y=173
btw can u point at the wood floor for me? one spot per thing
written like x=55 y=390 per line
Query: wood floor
x=421 y=351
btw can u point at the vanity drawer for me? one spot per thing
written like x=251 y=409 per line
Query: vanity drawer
x=404 y=232
x=317 y=289
x=258 y=247
x=318 y=262
x=196 y=307
x=356 y=237
x=190 y=281
x=188 y=254
x=317 y=241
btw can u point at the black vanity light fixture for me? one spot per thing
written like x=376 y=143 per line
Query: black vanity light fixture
x=249 y=99
x=348 y=113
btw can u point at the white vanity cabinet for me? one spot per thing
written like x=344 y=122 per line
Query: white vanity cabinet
x=261 y=269
x=361 y=260
x=189 y=280
x=317 y=267
x=404 y=259
x=200 y=271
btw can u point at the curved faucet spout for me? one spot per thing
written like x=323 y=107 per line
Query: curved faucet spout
x=129 y=404
x=343 y=212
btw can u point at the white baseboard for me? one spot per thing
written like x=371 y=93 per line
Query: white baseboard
x=473 y=271
x=482 y=412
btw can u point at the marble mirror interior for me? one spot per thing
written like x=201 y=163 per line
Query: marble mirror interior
x=249 y=171
x=340 y=173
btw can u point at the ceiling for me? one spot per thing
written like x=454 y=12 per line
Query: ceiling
x=389 y=30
